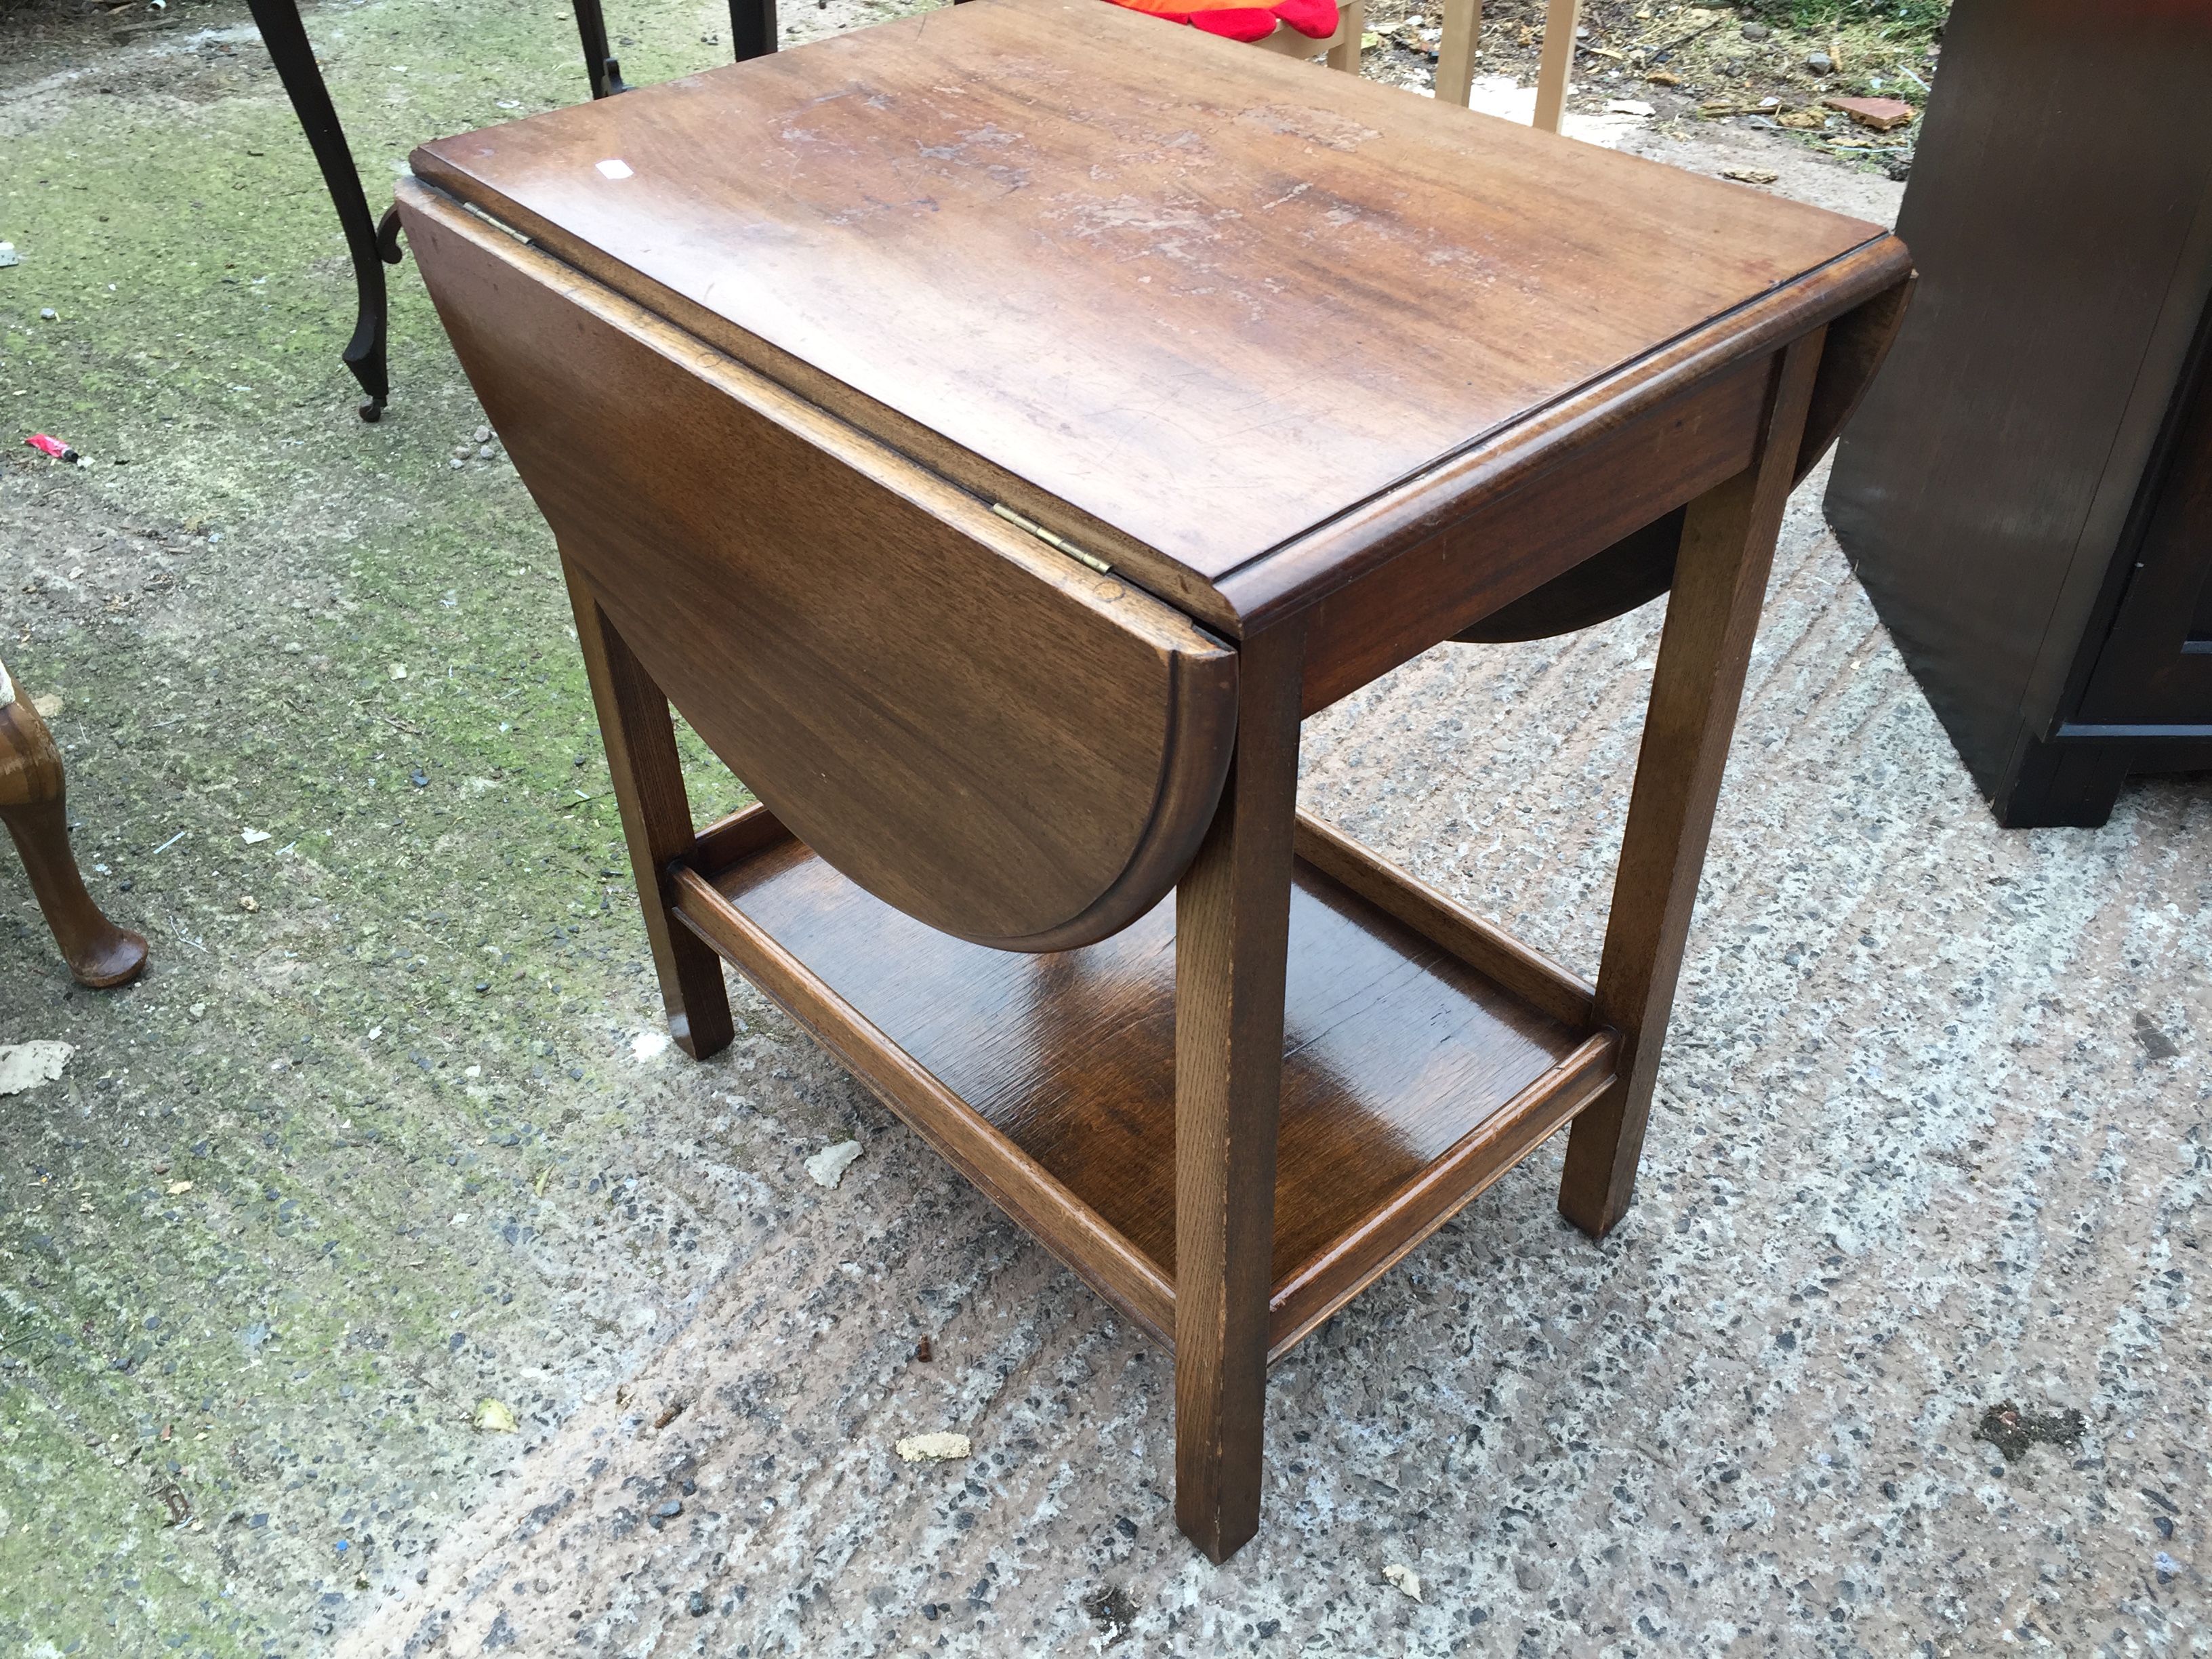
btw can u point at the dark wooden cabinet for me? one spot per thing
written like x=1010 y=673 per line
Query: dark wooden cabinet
x=2026 y=493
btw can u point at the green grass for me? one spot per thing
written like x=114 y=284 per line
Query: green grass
x=1897 y=20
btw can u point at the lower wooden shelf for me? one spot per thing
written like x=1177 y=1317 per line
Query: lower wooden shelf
x=1426 y=1052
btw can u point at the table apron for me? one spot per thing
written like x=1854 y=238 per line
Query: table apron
x=1512 y=545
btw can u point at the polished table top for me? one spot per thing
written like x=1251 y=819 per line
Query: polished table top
x=1181 y=300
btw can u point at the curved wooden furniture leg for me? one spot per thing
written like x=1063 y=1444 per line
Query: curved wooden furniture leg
x=32 y=804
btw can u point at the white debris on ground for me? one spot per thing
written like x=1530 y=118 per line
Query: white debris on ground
x=648 y=1045
x=1404 y=1578
x=934 y=1447
x=27 y=1065
x=829 y=1165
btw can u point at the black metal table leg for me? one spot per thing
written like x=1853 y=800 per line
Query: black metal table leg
x=752 y=28
x=752 y=34
x=286 y=37
x=605 y=71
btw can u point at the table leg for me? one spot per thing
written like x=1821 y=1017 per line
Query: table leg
x=1555 y=70
x=1463 y=38
x=286 y=38
x=752 y=28
x=1712 y=617
x=33 y=792
x=1352 y=23
x=1232 y=929
x=600 y=67
x=656 y=817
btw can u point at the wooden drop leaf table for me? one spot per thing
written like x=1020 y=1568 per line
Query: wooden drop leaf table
x=994 y=430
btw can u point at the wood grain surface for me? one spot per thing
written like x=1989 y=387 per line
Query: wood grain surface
x=977 y=728
x=1199 y=299
x=1394 y=1049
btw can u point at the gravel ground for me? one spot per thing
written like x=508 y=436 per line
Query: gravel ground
x=1930 y=1139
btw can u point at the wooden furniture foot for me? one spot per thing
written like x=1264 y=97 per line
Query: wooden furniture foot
x=1720 y=580
x=656 y=818
x=33 y=805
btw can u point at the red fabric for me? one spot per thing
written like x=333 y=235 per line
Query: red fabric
x=1236 y=22
x=1315 y=19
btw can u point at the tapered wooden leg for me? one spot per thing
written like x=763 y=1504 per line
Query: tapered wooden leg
x=1233 y=927
x=656 y=816
x=1462 y=38
x=1555 y=70
x=1712 y=617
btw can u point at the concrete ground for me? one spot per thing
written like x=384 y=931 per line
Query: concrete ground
x=1930 y=1139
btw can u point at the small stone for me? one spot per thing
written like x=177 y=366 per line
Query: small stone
x=461 y=452
x=934 y=1447
x=494 y=1416
x=46 y=314
x=1819 y=62
x=1880 y=114
x=829 y=1165
x=457 y=463
x=1750 y=32
x=483 y=435
x=8 y=256
x=1404 y=1578
x=247 y=903
x=484 y=452
x=27 y=1065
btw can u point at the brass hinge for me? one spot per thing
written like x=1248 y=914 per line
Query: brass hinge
x=1049 y=539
